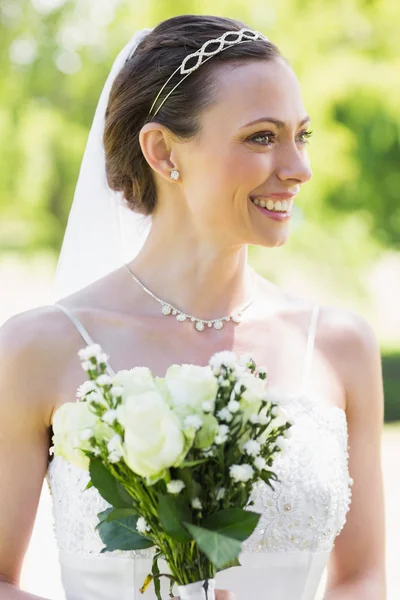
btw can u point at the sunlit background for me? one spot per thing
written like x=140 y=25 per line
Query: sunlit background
x=344 y=248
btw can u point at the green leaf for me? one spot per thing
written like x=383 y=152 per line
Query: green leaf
x=121 y=534
x=193 y=463
x=89 y=485
x=109 y=488
x=121 y=513
x=233 y=522
x=156 y=576
x=219 y=549
x=172 y=511
x=102 y=516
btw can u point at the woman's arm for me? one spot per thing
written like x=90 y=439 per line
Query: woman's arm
x=357 y=566
x=23 y=442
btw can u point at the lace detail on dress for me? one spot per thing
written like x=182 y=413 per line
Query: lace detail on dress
x=306 y=510
x=308 y=506
x=75 y=511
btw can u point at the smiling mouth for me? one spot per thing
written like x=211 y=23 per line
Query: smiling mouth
x=278 y=206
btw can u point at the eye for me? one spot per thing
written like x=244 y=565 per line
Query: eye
x=265 y=138
x=305 y=134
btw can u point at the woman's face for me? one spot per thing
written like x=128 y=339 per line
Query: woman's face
x=252 y=145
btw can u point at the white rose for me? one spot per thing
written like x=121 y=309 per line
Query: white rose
x=153 y=439
x=189 y=387
x=69 y=422
x=134 y=381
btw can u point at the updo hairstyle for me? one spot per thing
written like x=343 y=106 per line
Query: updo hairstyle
x=141 y=79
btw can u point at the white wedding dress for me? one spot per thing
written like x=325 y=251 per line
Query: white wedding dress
x=283 y=559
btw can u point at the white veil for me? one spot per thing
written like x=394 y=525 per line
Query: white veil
x=102 y=234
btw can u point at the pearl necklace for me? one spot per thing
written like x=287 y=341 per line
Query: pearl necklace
x=200 y=324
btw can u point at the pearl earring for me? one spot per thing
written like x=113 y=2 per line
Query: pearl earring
x=174 y=174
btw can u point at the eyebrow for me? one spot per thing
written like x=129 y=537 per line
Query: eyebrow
x=278 y=123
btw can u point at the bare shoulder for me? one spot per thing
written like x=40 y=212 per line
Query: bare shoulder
x=31 y=357
x=354 y=348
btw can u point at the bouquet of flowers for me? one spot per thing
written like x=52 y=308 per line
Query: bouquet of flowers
x=176 y=459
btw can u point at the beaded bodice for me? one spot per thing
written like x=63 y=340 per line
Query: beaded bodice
x=305 y=510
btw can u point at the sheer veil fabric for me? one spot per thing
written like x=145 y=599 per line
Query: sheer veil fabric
x=101 y=233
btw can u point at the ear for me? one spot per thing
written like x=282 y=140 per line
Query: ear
x=156 y=144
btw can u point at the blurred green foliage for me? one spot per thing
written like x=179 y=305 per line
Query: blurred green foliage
x=391 y=383
x=56 y=54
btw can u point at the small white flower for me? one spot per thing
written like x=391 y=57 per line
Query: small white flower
x=142 y=525
x=241 y=472
x=222 y=434
x=207 y=406
x=245 y=358
x=260 y=463
x=220 y=493
x=109 y=416
x=116 y=391
x=86 y=434
x=233 y=406
x=252 y=448
x=96 y=397
x=85 y=388
x=277 y=411
x=236 y=389
x=193 y=421
x=207 y=452
x=102 y=357
x=281 y=442
x=104 y=380
x=224 y=415
x=287 y=433
x=91 y=351
x=175 y=486
x=254 y=419
x=225 y=383
x=262 y=416
x=114 y=448
x=225 y=358
x=262 y=371
x=88 y=366
x=196 y=503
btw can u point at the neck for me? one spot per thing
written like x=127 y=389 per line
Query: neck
x=200 y=278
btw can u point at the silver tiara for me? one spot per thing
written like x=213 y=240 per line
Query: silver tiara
x=203 y=55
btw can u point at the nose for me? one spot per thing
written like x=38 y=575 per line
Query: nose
x=294 y=164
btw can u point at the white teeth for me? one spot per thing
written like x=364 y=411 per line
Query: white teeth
x=270 y=205
x=277 y=206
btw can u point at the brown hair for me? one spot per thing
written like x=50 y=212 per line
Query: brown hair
x=141 y=79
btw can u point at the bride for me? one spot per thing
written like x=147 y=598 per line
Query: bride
x=204 y=153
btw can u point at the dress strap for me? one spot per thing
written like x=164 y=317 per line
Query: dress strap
x=81 y=330
x=310 y=348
